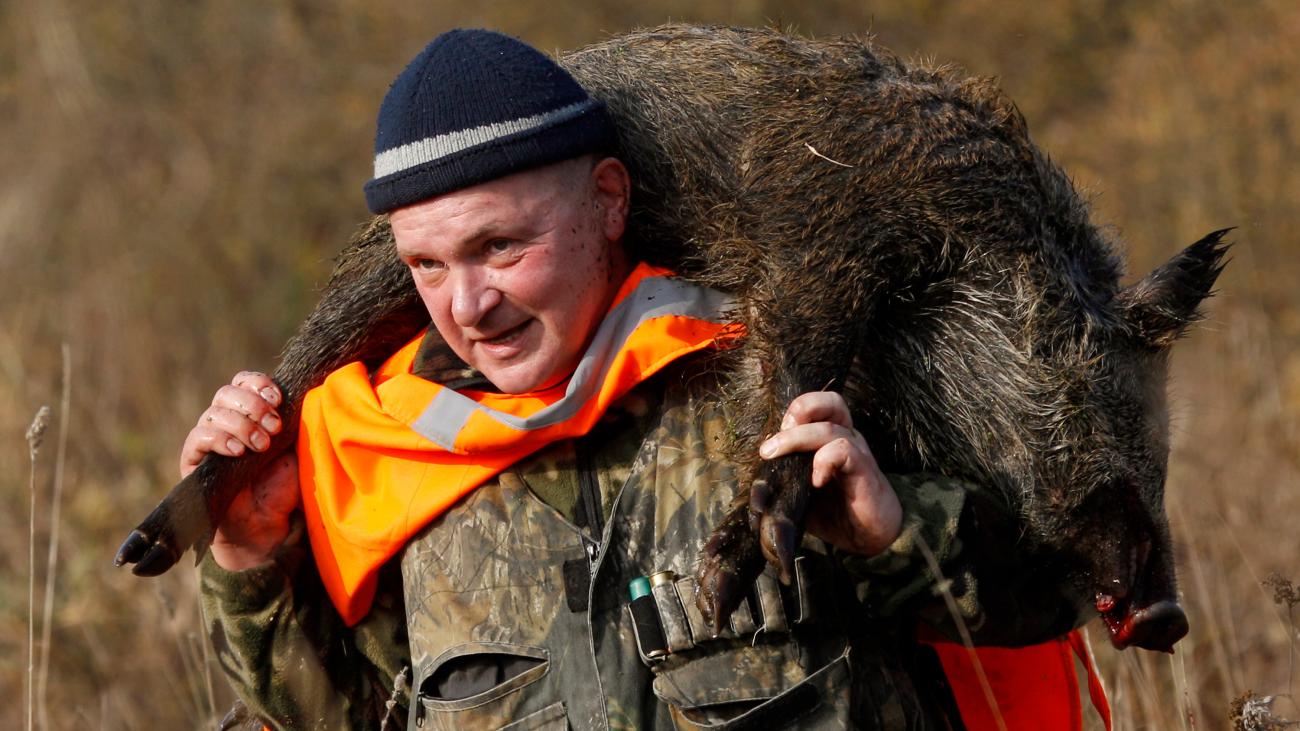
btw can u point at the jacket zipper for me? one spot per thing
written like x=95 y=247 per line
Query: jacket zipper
x=590 y=498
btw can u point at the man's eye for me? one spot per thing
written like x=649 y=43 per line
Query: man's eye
x=499 y=246
x=427 y=265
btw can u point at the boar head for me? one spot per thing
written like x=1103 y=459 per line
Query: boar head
x=1040 y=376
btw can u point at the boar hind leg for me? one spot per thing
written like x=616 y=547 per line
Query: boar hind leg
x=187 y=517
x=368 y=310
x=158 y=542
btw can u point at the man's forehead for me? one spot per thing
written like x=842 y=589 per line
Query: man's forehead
x=541 y=186
x=476 y=208
x=503 y=202
x=467 y=216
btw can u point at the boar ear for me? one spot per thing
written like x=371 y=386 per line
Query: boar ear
x=1160 y=306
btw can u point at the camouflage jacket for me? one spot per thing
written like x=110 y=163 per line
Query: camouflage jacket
x=509 y=612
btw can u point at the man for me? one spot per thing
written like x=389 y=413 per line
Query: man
x=481 y=509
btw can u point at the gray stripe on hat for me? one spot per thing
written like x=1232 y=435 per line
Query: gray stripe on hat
x=442 y=420
x=413 y=154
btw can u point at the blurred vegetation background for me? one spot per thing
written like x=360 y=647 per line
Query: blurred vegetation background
x=175 y=178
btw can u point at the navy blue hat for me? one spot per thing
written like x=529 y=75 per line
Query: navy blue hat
x=474 y=106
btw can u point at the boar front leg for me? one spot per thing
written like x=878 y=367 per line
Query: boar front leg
x=767 y=527
x=766 y=521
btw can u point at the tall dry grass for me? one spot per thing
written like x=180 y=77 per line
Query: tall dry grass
x=176 y=176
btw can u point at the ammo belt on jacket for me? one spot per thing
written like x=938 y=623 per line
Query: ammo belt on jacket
x=666 y=620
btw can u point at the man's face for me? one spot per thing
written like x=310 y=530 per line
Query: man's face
x=517 y=273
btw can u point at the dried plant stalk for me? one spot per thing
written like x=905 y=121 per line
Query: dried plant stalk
x=52 y=555
x=35 y=437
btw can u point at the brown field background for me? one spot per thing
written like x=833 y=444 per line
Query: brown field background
x=175 y=178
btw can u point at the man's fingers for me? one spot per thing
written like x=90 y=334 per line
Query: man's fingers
x=206 y=438
x=237 y=426
x=838 y=457
x=242 y=417
x=815 y=406
x=807 y=438
x=260 y=383
x=251 y=404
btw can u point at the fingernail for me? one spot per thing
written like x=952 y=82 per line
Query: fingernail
x=767 y=449
x=259 y=440
x=270 y=395
x=235 y=446
x=271 y=423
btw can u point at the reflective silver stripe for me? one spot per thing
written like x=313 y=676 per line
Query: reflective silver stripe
x=442 y=420
x=444 y=417
x=405 y=157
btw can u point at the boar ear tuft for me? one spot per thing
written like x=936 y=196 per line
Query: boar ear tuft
x=1160 y=306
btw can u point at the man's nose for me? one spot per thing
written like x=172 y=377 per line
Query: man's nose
x=472 y=298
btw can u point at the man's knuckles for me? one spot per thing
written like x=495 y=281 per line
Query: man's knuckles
x=247 y=401
x=252 y=380
x=804 y=438
x=235 y=425
x=817 y=406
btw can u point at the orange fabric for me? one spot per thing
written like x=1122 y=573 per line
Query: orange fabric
x=1035 y=687
x=370 y=482
x=1096 y=691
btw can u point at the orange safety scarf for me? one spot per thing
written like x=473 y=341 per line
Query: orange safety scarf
x=1034 y=687
x=379 y=458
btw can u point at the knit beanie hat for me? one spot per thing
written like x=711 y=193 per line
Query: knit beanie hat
x=474 y=106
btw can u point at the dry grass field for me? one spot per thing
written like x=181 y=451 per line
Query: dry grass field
x=175 y=177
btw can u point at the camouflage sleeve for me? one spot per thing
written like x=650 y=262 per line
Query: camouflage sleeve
x=997 y=590
x=288 y=654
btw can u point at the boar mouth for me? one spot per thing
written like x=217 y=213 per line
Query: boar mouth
x=1153 y=627
x=1140 y=603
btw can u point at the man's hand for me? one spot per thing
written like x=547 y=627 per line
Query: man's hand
x=242 y=416
x=854 y=508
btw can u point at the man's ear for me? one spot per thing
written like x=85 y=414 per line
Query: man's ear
x=613 y=190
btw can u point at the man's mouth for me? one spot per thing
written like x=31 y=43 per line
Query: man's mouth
x=506 y=337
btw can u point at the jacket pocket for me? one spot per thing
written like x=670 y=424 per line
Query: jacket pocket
x=479 y=685
x=713 y=695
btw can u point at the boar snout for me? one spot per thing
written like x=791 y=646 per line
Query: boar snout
x=1149 y=615
x=1153 y=627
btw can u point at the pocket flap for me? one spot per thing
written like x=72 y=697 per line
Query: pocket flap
x=475 y=673
x=738 y=675
x=749 y=695
x=550 y=718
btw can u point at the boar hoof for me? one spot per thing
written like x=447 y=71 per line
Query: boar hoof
x=181 y=520
x=151 y=558
x=779 y=538
x=779 y=514
x=730 y=562
x=769 y=527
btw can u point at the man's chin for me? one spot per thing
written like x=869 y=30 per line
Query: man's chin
x=523 y=377
x=512 y=378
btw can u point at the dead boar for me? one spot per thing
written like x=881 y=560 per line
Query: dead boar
x=889 y=229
